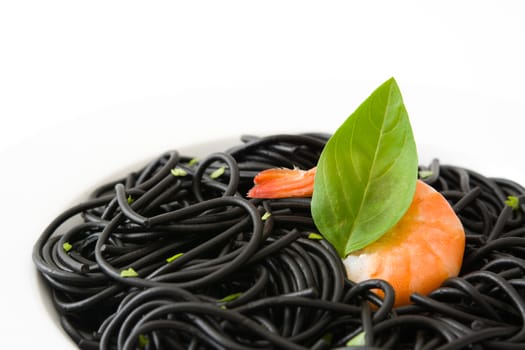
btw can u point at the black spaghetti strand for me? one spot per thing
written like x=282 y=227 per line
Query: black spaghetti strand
x=174 y=256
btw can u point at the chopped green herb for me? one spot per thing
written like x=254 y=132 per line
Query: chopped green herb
x=178 y=172
x=423 y=174
x=315 y=236
x=217 y=172
x=223 y=307
x=130 y=200
x=358 y=340
x=193 y=161
x=67 y=246
x=231 y=297
x=170 y=259
x=513 y=202
x=266 y=216
x=143 y=340
x=128 y=273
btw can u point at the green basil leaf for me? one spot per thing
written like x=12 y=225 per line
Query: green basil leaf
x=366 y=175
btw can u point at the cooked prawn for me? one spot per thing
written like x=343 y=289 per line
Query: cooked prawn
x=416 y=255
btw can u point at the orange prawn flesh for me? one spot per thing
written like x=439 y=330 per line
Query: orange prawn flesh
x=416 y=255
x=420 y=252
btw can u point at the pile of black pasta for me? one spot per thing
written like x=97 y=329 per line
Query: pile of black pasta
x=174 y=256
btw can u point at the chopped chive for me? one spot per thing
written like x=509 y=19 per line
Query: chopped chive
x=266 y=216
x=217 y=173
x=358 y=340
x=170 y=259
x=423 y=174
x=128 y=273
x=231 y=297
x=315 y=236
x=130 y=200
x=67 y=246
x=178 y=172
x=193 y=161
x=223 y=307
x=143 y=340
x=513 y=202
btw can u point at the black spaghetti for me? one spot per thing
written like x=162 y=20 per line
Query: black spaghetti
x=174 y=256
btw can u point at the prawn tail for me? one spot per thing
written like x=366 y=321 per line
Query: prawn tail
x=283 y=183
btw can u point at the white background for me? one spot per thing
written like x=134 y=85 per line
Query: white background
x=89 y=88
